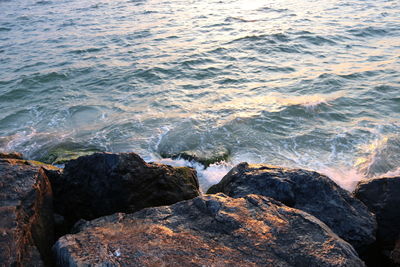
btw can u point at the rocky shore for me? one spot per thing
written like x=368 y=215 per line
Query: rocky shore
x=117 y=210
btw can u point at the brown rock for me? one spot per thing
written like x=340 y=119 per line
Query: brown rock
x=212 y=230
x=26 y=213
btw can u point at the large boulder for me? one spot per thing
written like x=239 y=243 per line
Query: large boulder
x=26 y=213
x=382 y=197
x=105 y=183
x=212 y=230
x=308 y=191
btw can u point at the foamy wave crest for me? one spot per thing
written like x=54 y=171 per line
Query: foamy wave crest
x=346 y=178
x=25 y=141
x=380 y=156
x=392 y=173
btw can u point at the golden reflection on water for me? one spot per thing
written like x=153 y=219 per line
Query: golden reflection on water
x=273 y=102
x=370 y=154
x=200 y=27
x=146 y=64
x=348 y=68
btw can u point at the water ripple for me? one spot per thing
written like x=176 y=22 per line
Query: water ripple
x=292 y=83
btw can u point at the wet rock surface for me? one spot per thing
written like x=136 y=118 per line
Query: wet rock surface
x=212 y=230
x=308 y=191
x=382 y=197
x=104 y=183
x=64 y=152
x=26 y=213
x=206 y=158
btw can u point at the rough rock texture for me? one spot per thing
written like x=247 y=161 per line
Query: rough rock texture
x=213 y=230
x=26 y=213
x=382 y=197
x=308 y=191
x=104 y=183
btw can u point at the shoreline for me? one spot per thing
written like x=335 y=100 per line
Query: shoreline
x=212 y=166
x=112 y=179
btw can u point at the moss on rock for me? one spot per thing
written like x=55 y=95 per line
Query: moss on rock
x=205 y=158
x=61 y=153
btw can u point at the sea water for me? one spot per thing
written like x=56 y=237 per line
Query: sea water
x=295 y=83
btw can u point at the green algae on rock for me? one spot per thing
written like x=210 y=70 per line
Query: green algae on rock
x=206 y=158
x=63 y=152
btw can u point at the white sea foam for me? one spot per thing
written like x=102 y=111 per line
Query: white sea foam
x=347 y=178
x=207 y=176
x=345 y=172
x=395 y=172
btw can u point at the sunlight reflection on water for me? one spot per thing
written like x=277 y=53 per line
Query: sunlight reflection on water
x=294 y=83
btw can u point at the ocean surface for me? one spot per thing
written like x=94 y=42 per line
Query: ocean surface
x=296 y=83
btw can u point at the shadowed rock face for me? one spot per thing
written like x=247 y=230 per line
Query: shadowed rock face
x=212 y=230
x=26 y=213
x=308 y=191
x=382 y=197
x=104 y=183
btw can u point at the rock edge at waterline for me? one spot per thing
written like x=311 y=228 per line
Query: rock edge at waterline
x=105 y=183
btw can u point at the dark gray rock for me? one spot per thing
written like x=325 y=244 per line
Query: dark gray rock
x=308 y=191
x=105 y=183
x=382 y=197
x=212 y=230
x=26 y=213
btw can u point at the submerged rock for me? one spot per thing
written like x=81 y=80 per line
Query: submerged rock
x=213 y=230
x=204 y=158
x=26 y=213
x=11 y=155
x=105 y=183
x=64 y=152
x=382 y=197
x=308 y=191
